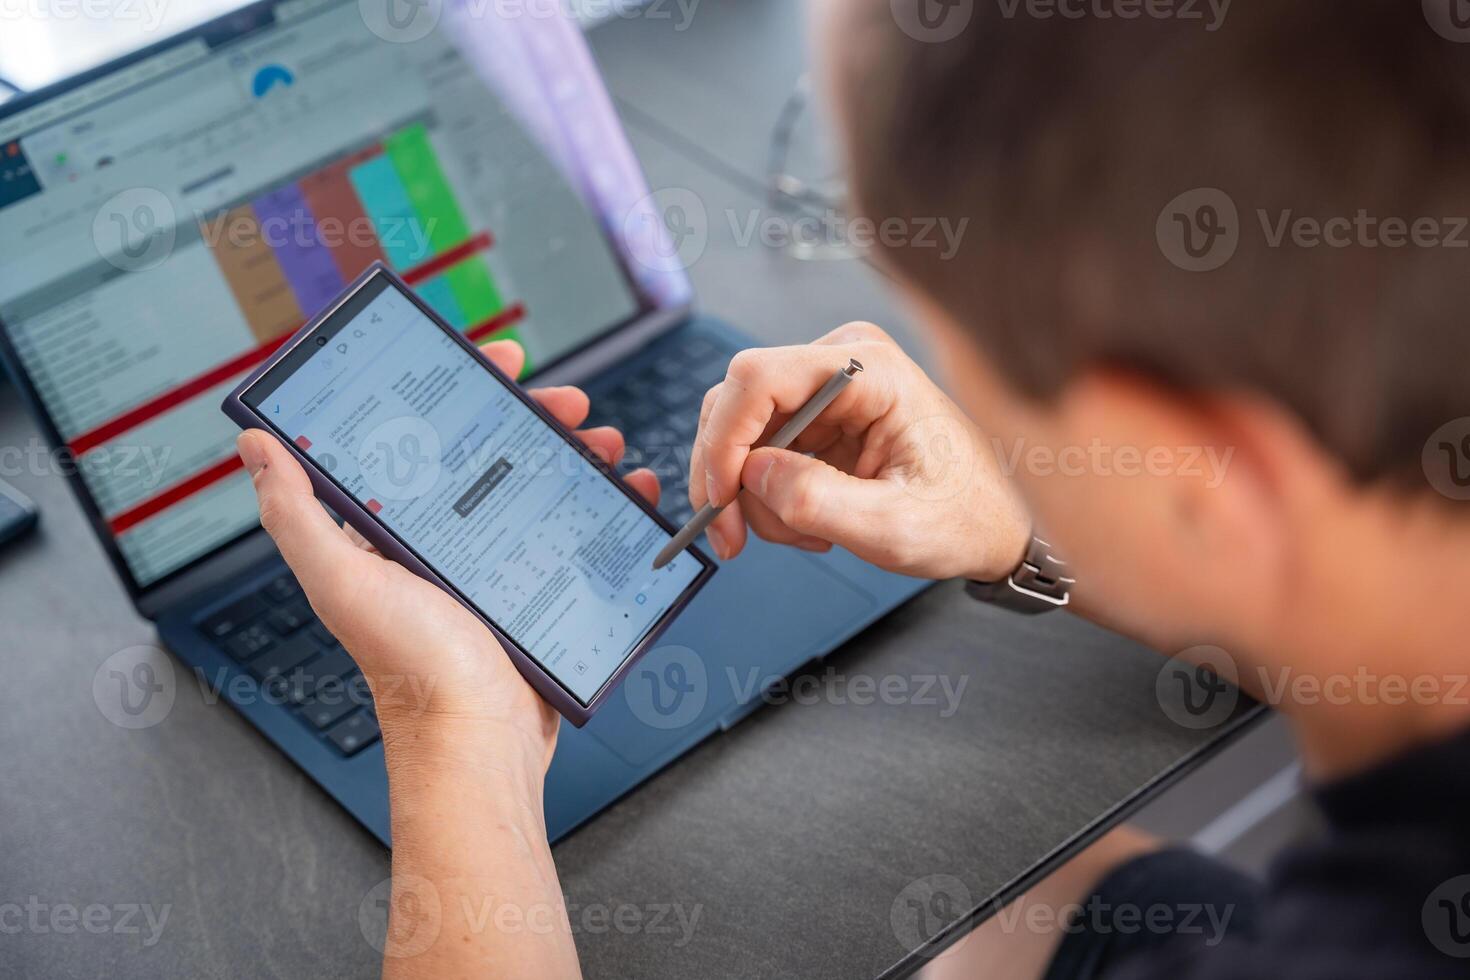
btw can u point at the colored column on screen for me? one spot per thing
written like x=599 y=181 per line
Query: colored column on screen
x=423 y=179
x=436 y=293
x=289 y=228
x=474 y=289
x=254 y=276
x=341 y=221
x=413 y=156
x=401 y=235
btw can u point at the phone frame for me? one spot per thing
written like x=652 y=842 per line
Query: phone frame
x=334 y=496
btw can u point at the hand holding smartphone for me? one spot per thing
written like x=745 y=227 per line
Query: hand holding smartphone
x=446 y=466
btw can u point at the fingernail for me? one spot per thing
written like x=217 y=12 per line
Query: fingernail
x=252 y=454
x=717 y=541
x=759 y=471
x=711 y=489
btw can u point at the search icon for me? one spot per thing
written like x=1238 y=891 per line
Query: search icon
x=341 y=348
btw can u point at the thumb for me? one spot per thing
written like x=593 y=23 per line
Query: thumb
x=311 y=542
x=813 y=497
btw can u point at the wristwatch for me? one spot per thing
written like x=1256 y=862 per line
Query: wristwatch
x=1039 y=584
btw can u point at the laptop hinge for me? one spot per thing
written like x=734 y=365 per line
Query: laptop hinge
x=215 y=570
x=610 y=350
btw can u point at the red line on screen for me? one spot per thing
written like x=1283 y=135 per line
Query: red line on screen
x=196 y=386
x=445 y=260
x=174 y=396
x=186 y=488
x=219 y=470
x=505 y=318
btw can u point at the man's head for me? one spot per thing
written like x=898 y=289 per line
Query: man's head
x=1241 y=235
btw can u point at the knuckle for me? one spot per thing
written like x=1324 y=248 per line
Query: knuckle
x=745 y=366
x=711 y=397
x=862 y=330
x=805 y=501
x=275 y=515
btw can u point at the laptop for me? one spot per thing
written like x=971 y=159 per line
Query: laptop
x=172 y=217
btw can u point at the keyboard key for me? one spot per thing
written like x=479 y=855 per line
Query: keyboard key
x=326 y=671
x=285 y=656
x=640 y=414
x=696 y=349
x=336 y=662
x=354 y=734
x=289 y=618
x=250 y=642
x=283 y=588
x=234 y=616
x=679 y=397
x=358 y=690
x=670 y=367
x=330 y=703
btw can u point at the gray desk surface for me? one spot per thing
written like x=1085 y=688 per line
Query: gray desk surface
x=795 y=838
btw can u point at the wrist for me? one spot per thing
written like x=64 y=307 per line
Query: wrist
x=430 y=748
x=1004 y=538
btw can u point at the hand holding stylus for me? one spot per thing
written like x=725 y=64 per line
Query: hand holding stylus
x=784 y=437
x=891 y=470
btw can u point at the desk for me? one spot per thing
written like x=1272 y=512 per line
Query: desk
x=786 y=842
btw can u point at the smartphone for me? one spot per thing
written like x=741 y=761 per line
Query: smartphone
x=17 y=514
x=449 y=468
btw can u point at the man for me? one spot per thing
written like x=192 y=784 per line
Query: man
x=1239 y=240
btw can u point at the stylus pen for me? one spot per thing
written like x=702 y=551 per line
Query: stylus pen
x=784 y=437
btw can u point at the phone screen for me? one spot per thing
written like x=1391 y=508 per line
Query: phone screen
x=462 y=471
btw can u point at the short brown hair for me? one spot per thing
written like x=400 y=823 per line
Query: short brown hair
x=1063 y=140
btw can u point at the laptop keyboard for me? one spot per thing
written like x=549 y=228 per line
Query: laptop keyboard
x=273 y=633
x=656 y=405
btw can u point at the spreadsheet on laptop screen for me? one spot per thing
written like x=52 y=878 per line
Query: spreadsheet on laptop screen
x=170 y=224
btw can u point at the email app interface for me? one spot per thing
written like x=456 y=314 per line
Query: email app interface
x=470 y=478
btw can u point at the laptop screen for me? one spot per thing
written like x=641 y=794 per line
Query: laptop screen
x=170 y=221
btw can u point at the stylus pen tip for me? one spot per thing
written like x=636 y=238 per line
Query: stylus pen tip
x=664 y=557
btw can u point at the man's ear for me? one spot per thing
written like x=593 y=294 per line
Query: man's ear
x=1212 y=489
